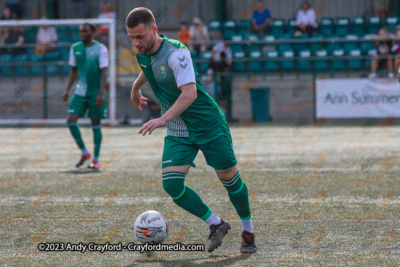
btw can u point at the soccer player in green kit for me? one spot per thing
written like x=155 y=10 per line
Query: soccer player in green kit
x=194 y=121
x=89 y=61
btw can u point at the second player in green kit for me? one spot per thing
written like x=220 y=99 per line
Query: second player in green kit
x=194 y=122
x=89 y=62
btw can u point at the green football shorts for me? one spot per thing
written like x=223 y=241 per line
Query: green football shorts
x=216 y=146
x=79 y=105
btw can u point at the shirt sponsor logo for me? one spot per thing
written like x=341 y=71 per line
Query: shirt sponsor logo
x=144 y=66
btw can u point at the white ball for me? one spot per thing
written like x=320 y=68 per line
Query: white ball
x=152 y=227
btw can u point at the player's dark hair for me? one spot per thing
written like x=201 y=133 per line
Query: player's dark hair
x=140 y=15
x=90 y=25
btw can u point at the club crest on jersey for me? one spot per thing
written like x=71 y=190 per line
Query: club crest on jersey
x=162 y=69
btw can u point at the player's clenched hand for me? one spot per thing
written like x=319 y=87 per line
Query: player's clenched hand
x=65 y=97
x=99 y=100
x=138 y=100
x=151 y=125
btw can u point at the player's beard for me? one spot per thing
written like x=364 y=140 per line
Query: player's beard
x=149 y=47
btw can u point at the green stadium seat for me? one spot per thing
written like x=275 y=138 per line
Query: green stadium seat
x=351 y=44
x=391 y=23
x=285 y=46
x=342 y=26
x=354 y=63
x=321 y=64
x=194 y=54
x=73 y=28
x=304 y=63
x=291 y=26
x=74 y=37
x=287 y=64
x=64 y=53
x=63 y=40
x=336 y=45
x=278 y=27
x=255 y=65
x=269 y=40
x=52 y=56
x=6 y=70
x=372 y=52
x=358 y=26
x=214 y=25
x=239 y=66
x=229 y=28
x=252 y=37
x=244 y=27
x=271 y=65
x=326 y=26
x=36 y=69
x=52 y=69
x=23 y=68
x=338 y=64
x=318 y=44
x=301 y=46
x=236 y=38
x=62 y=28
x=65 y=69
x=203 y=66
x=367 y=45
x=63 y=35
x=374 y=23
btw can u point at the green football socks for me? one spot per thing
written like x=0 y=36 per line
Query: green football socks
x=184 y=196
x=76 y=133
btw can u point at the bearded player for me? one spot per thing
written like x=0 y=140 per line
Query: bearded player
x=194 y=121
x=89 y=61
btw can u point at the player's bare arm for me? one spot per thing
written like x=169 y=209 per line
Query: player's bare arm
x=136 y=94
x=71 y=79
x=103 y=85
x=186 y=98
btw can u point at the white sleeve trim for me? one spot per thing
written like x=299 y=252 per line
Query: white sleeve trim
x=103 y=57
x=181 y=64
x=72 y=59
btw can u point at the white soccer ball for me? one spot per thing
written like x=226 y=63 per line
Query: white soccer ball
x=152 y=227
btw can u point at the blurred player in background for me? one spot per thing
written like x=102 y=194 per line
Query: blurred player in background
x=194 y=121
x=89 y=61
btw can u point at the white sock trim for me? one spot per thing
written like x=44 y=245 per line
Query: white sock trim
x=247 y=226
x=213 y=220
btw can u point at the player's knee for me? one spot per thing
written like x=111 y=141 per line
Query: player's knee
x=174 y=186
x=72 y=119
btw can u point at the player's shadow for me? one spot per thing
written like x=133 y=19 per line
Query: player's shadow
x=210 y=261
x=81 y=171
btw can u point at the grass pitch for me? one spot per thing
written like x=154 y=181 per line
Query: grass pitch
x=320 y=196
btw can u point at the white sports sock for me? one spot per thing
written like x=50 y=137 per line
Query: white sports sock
x=213 y=220
x=247 y=226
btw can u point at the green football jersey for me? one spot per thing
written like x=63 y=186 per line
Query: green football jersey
x=89 y=60
x=168 y=69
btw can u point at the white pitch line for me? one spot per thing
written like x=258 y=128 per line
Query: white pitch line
x=136 y=200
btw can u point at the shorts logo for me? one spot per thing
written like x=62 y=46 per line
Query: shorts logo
x=71 y=110
x=167 y=161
